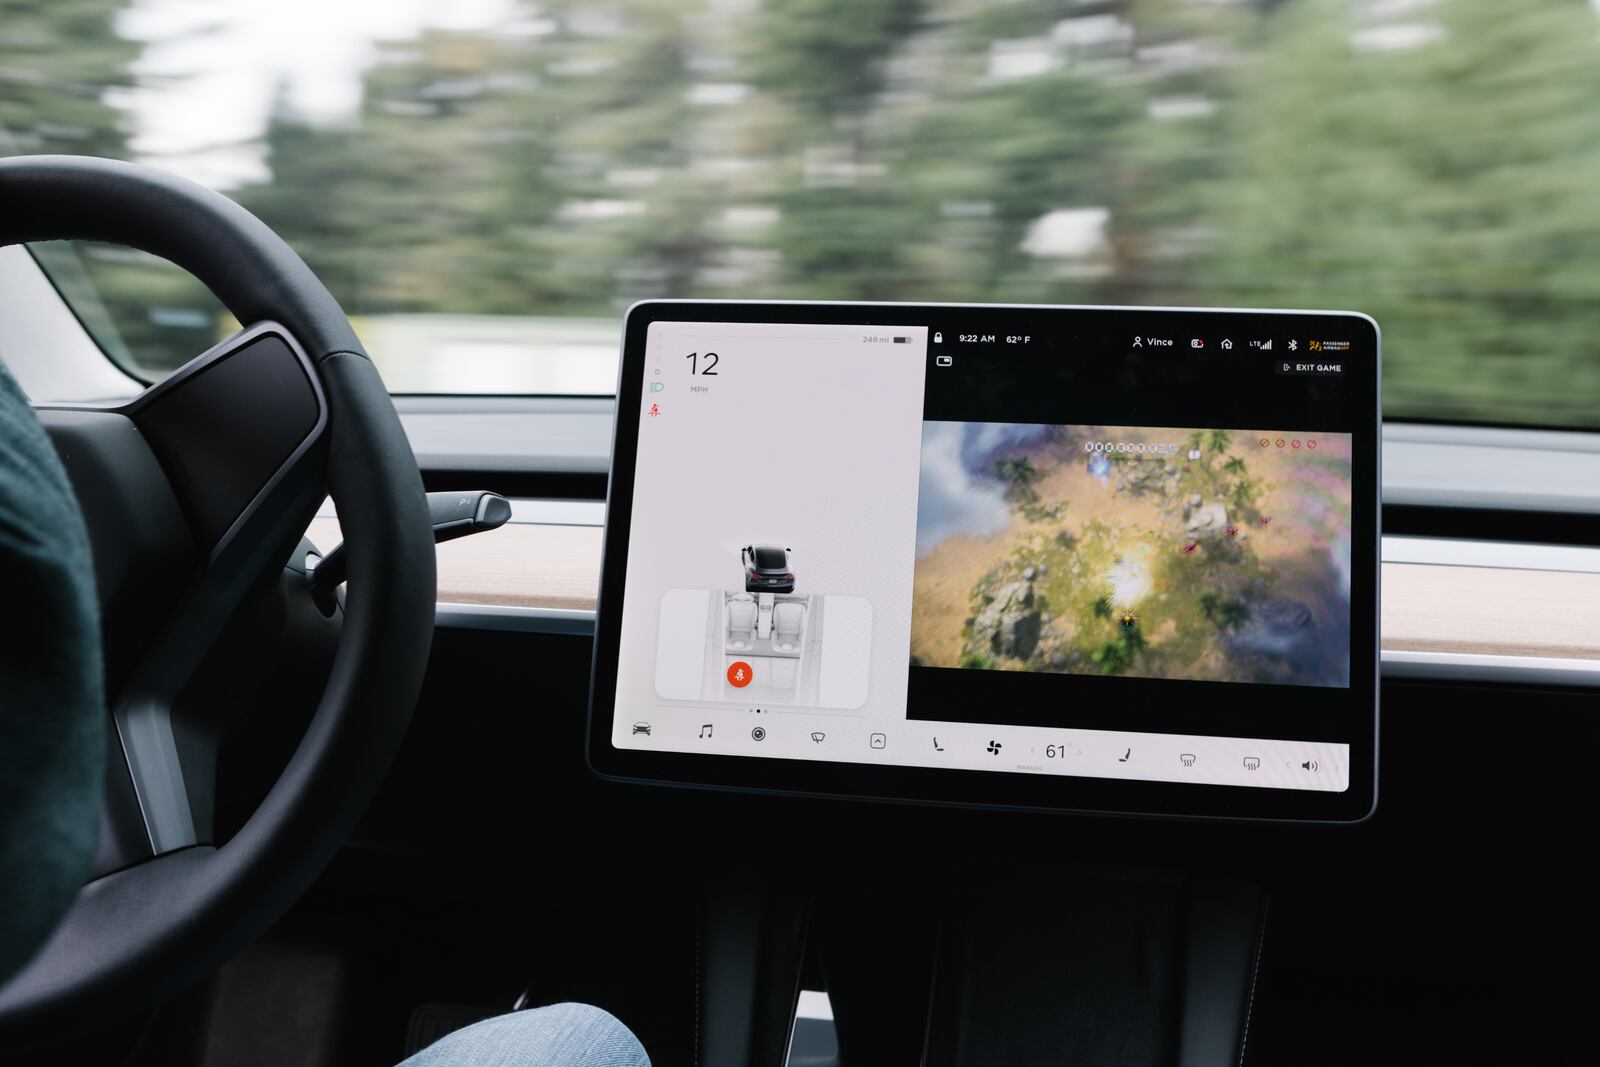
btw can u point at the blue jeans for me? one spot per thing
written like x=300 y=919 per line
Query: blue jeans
x=562 y=1035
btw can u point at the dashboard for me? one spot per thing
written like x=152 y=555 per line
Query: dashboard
x=1096 y=559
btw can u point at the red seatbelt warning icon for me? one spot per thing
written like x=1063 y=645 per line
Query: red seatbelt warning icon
x=655 y=409
x=739 y=674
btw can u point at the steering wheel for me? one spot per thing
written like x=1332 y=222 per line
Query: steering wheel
x=194 y=492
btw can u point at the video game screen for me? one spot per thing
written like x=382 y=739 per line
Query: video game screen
x=958 y=552
x=1155 y=552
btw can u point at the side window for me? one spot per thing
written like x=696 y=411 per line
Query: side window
x=148 y=316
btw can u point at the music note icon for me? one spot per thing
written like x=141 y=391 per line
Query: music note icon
x=705 y=731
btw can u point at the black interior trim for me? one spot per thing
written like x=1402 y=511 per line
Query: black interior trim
x=1493 y=524
x=526 y=485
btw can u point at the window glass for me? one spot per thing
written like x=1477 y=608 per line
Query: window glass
x=147 y=315
x=486 y=185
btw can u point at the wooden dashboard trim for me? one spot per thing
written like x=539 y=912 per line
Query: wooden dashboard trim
x=1497 y=611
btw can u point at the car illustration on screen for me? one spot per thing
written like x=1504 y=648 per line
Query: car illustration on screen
x=766 y=569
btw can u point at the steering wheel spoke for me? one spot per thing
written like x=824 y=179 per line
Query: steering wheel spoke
x=238 y=435
x=238 y=432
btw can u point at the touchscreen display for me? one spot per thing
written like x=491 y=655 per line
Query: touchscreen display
x=1085 y=546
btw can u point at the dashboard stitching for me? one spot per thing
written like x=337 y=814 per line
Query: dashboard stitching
x=698 y=952
x=1255 y=973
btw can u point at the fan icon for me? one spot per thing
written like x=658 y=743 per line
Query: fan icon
x=994 y=748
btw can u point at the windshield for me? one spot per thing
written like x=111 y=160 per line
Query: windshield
x=485 y=186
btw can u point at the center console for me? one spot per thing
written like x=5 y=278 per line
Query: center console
x=1092 y=560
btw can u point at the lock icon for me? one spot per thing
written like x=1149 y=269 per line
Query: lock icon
x=938 y=338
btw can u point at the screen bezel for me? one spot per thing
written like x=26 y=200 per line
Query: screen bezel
x=960 y=786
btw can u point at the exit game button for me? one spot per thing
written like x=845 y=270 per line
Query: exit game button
x=1310 y=366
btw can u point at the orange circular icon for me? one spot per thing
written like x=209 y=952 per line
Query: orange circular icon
x=1311 y=444
x=1265 y=442
x=1280 y=442
x=1296 y=444
x=739 y=674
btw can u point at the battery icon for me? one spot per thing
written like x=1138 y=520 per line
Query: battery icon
x=902 y=340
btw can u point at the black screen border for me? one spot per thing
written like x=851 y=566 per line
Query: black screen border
x=964 y=787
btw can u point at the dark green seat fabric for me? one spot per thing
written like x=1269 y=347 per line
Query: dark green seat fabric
x=52 y=700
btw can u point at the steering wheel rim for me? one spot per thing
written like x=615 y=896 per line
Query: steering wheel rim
x=137 y=935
